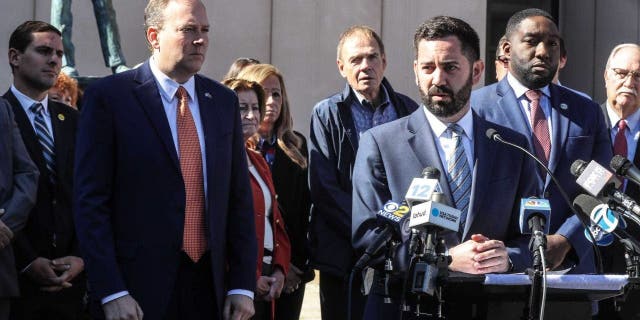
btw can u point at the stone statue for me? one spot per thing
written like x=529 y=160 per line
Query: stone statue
x=62 y=18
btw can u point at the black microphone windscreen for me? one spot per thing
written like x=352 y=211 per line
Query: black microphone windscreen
x=618 y=164
x=431 y=173
x=577 y=167
x=491 y=133
x=585 y=204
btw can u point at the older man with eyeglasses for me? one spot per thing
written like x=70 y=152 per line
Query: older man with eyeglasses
x=622 y=115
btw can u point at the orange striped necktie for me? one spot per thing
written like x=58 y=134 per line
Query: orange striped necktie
x=194 y=241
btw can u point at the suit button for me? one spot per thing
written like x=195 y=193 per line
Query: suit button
x=277 y=245
x=54 y=202
x=277 y=220
x=547 y=194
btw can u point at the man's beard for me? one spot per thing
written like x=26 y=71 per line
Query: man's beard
x=446 y=109
x=521 y=70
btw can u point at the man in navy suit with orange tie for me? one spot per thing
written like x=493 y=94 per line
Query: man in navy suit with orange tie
x=163 y=202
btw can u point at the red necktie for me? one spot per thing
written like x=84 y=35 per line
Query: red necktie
x=620 y=141
x=194 y=239
x=540 y=126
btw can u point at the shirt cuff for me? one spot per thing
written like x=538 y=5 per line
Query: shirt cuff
x=114 y=296
x=242 y=292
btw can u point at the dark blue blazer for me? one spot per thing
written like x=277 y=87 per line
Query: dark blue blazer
x=130 y=198
x=579 y=132
x=391 y=155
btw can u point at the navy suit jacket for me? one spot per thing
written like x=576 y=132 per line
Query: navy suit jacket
x=18 y=185
x=391 y=155
x=130 y=197
x=579 y=132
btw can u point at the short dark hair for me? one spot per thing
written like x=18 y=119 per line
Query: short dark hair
x=516 y=18
x=442 y=26
x=23 y=35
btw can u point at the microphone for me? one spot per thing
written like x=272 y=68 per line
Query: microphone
x=421 y=189
x=393 y=217
x=624 y=167
x=433 y=213
x=493 y=134
x=534 y=214
x=603 y=220
x=594 y=178
x=600 y=182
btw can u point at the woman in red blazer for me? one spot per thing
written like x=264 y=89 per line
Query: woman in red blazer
x=273 y=260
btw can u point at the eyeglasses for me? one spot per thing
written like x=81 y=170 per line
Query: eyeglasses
x=622 y=74
x=245 y=108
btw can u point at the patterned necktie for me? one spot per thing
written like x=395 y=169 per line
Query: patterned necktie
x=620 y=141
x=459 y=174
x=45 y=139
x=540 y=126
x=194 y=235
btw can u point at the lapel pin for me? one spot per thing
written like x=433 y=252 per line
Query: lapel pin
x=208 y=95
x=564 y=106
x=61 y=116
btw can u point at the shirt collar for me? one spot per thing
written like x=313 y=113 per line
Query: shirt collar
x=168 y=87
x=519 y=89
x=27 y=102
x=633 y=121
x=439 y=127
x=384 y=99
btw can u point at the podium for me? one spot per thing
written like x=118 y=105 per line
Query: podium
x=505 y=296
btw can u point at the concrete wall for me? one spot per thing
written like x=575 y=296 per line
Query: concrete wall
x=298 y=36
x=591 y=29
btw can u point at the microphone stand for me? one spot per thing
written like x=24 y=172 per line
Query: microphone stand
x=538 y=240
x=494 y=135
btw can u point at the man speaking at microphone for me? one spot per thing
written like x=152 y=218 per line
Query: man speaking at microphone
x=480 y=177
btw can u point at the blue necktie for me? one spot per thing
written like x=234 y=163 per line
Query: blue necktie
x=459 y=175
x=46 y=140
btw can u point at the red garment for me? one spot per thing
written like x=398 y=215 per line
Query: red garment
x=281 y=244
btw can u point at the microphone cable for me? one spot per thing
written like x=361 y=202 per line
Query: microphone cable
x=544 y=284
x=494 y=135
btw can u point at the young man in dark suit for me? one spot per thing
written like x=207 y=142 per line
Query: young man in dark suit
x=560 y=125
x=52 y=281
x=163 y=202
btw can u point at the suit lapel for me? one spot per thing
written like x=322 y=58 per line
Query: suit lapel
x=26 y=130
x=484 y=160
x=422 y=142
x=560 y=126
x=516 y=118
x=150 y=101
x=208 y=106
